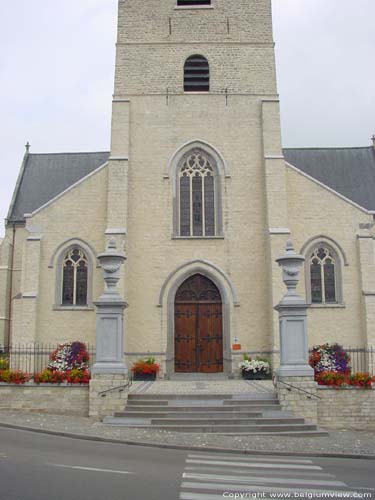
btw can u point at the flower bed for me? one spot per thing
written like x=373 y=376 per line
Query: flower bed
x=145 y=369
x=330 y=358
x=69 y=356
x=253 y=369
x=337 y=379
x=14 y=377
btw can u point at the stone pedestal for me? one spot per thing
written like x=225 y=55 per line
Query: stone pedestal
x=108 y=385
x=107 y=395
x=296 y=388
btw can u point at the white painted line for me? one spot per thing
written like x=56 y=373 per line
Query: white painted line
x=263 y=480
x=198 y=496
x=251 y=459
x=258 y=465
x=90 y=469
x=212 y=468
x=257 y=488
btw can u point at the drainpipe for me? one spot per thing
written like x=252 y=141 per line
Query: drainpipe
x=11 y=286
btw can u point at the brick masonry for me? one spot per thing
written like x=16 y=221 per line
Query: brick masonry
x=48 y=398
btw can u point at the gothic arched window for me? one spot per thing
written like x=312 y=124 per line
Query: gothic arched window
x=323 y=266
x=74 y=278
x=197 y=195
x=196 y=74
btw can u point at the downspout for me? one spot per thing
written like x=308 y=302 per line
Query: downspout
x=11 y=287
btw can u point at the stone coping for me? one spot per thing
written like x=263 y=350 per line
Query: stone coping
x=33 y=385
x=345 y=388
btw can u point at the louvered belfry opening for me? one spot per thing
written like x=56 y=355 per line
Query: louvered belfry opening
x=182 y=3
x=196 y=74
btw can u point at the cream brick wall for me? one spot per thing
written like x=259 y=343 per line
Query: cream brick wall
x=153 y=254
x=53 y=399
x=80 y=213
x=147 y=22
x=315 y=211
x=349 y=408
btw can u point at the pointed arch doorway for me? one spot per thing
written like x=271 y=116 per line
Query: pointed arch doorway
x=198 y=325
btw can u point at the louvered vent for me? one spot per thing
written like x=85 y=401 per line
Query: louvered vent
x=183 y=3
x=196 y=74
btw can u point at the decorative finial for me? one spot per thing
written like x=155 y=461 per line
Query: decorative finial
x=112 y=244
x=373 y=140
x=289 y=246
x=27 y=147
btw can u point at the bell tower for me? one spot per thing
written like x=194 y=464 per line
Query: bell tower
x=195 y=85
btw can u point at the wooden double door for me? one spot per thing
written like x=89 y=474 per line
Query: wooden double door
x=198 y=321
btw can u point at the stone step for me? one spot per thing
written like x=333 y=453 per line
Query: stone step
x=219 y=428
x=242 y=408
x=178 y=414
x=228 y=421
x=251 y=396
x=202 y=402
x=237 y=402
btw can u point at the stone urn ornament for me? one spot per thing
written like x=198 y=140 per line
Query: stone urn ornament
x=111 y=261
x=291 y=264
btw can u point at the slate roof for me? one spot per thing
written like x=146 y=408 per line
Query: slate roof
x=44 y=176
x=349 y=171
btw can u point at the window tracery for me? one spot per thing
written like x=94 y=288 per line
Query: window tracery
x=197 y=195
x=323 y=276
x=75 y=278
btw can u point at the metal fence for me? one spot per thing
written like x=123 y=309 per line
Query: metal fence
x=33 y=358
x=361 y=360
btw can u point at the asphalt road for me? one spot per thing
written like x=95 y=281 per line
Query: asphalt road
x=42 y=467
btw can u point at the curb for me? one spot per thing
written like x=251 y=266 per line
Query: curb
x=211 y=449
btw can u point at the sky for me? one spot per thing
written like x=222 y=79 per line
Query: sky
x=57 y=71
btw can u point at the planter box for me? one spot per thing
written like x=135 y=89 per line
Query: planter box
x=253 y=376
x=144 y=376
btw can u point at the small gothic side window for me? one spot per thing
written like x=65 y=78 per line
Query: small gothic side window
x=196 y=74
x=197 y=196
x=74 y=279
x=323 y=276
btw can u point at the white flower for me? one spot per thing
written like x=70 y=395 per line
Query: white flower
x=255 y=366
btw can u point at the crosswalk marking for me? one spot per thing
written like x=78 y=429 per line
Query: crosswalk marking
x=248 y=458
x=263 y=480
x=239 y=472
x=207 y=477
x=257 y=465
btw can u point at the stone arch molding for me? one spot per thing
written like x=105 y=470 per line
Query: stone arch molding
x=208 y=269
x=57 y=262
x=67 y=245
x=205 y=146
x=336 y=247
x=228 y=296
x=340 y=258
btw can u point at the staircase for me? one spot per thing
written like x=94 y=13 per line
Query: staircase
x=212 y=413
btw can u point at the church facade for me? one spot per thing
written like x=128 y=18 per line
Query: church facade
x=202 y=197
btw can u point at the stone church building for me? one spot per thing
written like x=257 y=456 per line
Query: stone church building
x=201 y=196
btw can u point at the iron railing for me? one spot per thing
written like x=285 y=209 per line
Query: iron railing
x=33 y=358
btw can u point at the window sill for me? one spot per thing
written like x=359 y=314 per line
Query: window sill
x=327 y=306
x=197 y=237
x=193 y=7
x=73 y=308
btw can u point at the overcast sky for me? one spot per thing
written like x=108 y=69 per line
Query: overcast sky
x=57 y=68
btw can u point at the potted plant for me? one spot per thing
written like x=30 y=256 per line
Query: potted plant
x=254 y=369
x=145 y=369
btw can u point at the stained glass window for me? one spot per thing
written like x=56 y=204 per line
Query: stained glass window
x=323 y=276
x=197 y=196
x=75 y=277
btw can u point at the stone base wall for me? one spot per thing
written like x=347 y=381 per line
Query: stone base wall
x=48 y=398
x=298 y=394
x=346 y=408
x=106 y=398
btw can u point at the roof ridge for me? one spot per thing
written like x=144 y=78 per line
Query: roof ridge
x=71 y=153
x=329 y=147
